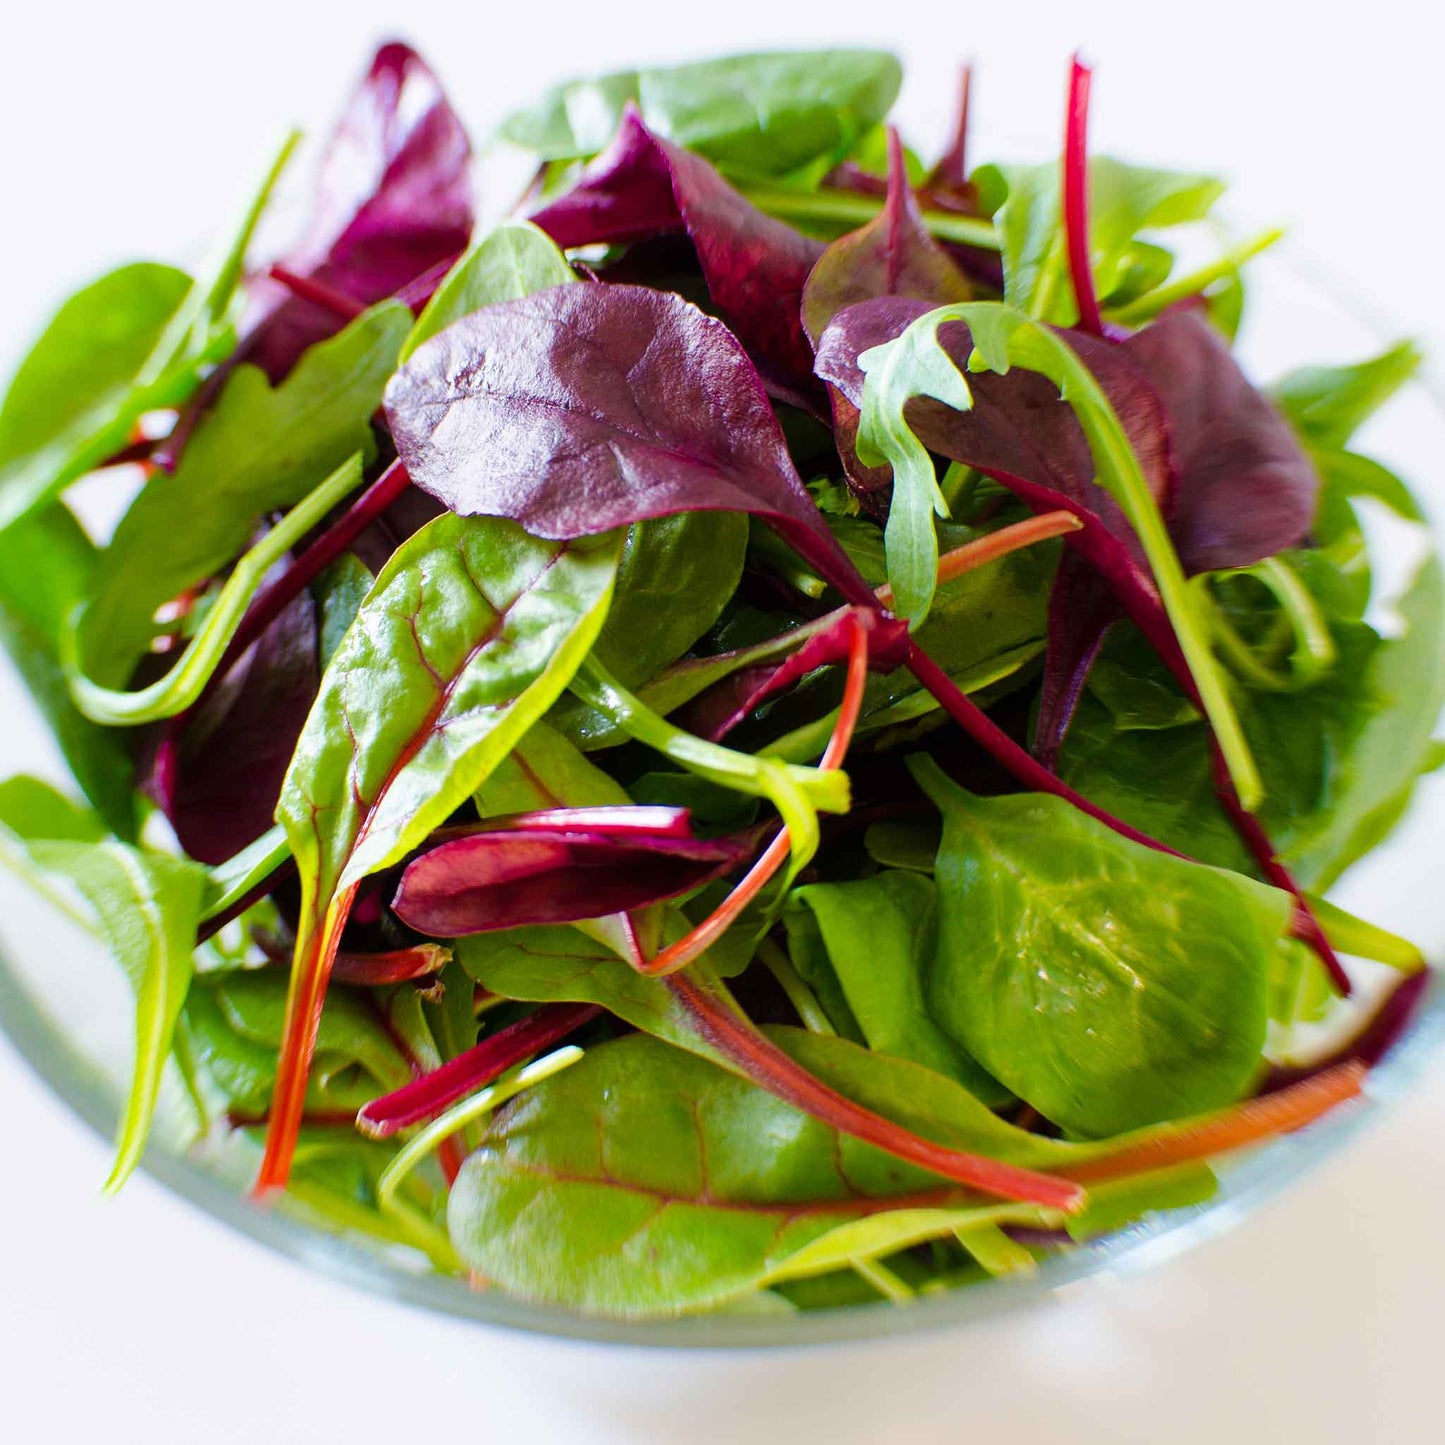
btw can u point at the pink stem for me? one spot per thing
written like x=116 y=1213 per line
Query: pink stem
x=1076 y=197
x=345 y=307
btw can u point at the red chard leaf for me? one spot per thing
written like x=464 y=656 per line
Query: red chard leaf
x=755 y=266
x=583 y=408
x=575 y=864
x=393 y=202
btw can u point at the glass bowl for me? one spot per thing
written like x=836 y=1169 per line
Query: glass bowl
x=66 y=1008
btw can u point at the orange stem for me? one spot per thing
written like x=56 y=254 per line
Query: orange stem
x=701 y=938
x=995 y=545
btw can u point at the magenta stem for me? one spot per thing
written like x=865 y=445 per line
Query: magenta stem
x=344 y=307
x=478 y=1066
x=1076 y=197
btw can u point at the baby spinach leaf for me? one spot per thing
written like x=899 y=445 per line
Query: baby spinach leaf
x=515 y=259
x=471 y=632
x=1107 y=984
x=1328 y=404
x=46 y=562
x=760 y=115
x=644 y=1181
x=259 y=449
x=585 y=408
x=144 y=905
x=878 y=934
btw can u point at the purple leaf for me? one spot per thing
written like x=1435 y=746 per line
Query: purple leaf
x=1245 y=488
x=583 y=408
x=755 y=266
x=561 y=867
x=216 y=773
x=893 y=255
x=393 y=201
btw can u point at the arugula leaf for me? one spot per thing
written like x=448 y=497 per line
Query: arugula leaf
x=877 y=935
x=145 y=905
x=514 y=259
x=46 y=563
x=259 y=449
x=1113 y=985
x=471 y=632
x=764 y=114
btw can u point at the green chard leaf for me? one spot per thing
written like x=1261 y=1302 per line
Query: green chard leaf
x=46 y=564
x=1107 y=984
x=144 y=905
x=259 y=449
x=1328 y=404
x=515 y=259
x=471 y=632
x=751 y=115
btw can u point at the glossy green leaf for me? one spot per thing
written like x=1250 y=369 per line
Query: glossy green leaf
x=762 y=115
x=260 y=448
x=1107 y=984
x=144 y=905
x=339 y=593
x=877 y=935
x=46 y=563
x=513 y=260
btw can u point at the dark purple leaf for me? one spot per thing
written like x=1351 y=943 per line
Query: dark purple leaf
x=893 y=255
x=393 y=201
x=561 y=867
x=584 y=408
x=755 y=266
x=1245 y=487
x=216 y=773
x=723 y=706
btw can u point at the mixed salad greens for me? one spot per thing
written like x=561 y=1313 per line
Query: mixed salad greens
x=768 y=736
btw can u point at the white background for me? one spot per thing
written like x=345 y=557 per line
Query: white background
x=131 y=129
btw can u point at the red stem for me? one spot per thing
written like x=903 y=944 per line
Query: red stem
x=478 y=1066
x=757 y=1058
x=1076 y=197
x=345 y=307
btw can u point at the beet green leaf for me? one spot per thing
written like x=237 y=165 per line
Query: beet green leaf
x=471 y=632
x=144 y=905
x=259 y=449
x=1108 y=984
x=585 y=408
x=756 y=115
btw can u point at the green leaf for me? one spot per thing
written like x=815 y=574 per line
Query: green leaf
x=1107 y=984
x=73 y=401
x=878 y=934
x=257 y=450
x=1328 y=404
x=146 y=907
x=46 y=563
x=513 y=260
x=644 y=1181
x=1123 y=201
x=184 y=683
x=134 y=341
x=762 y=115
x=339 y=592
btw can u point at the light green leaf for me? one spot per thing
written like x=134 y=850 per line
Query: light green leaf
x=1328 y=404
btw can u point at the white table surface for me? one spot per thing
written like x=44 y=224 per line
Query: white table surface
x=128 y=129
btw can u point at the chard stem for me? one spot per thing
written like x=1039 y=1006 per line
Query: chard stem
x=1076 y=197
